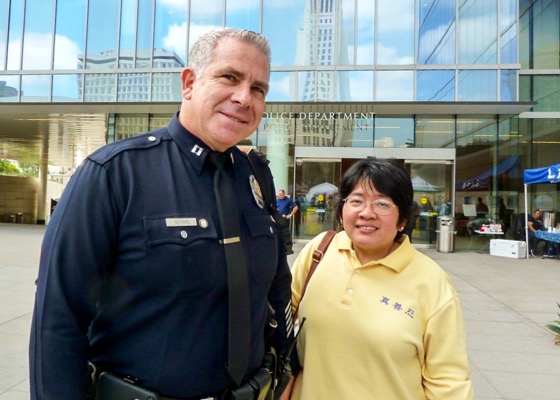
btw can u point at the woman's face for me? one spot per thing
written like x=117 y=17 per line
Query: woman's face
x=372 y=234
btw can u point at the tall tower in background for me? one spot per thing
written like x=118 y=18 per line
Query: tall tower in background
x=321 y=42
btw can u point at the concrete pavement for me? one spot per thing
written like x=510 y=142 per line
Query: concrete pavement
x=506 y=303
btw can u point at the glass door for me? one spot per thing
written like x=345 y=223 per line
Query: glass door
x=316 y=194
x=317 y=175
x=433 y=197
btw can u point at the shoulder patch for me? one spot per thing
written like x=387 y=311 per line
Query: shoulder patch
x=143 y=141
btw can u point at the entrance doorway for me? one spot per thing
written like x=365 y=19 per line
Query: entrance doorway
x=317 y=181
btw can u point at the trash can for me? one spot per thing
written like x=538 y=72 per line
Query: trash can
x=12 y=218
x=19 y=218
x=445 y=239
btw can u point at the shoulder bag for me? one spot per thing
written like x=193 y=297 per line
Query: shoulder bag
x=317 y=257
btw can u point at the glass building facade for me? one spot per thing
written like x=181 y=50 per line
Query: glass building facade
x=464 y=92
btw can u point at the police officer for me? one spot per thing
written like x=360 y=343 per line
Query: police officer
x=133 y=277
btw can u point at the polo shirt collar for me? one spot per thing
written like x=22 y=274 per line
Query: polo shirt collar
x=398 y=260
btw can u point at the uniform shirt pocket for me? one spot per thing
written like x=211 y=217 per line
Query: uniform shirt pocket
x=263 y=257
x=181 y=252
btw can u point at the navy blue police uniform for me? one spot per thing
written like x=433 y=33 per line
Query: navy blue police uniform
x=132 y=276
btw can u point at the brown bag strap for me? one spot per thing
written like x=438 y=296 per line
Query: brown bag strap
x=317 y=257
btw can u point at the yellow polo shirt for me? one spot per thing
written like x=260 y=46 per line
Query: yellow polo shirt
x=388 y=330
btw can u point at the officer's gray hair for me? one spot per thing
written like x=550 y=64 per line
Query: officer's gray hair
x=201 y=52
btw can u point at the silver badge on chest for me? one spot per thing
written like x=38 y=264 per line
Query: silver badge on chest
x=256 y=190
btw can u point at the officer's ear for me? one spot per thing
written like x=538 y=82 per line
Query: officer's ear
x=187 y=83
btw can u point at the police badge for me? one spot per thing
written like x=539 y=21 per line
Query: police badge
x=256 y=190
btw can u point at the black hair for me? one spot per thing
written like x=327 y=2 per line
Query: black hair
x=387 y=176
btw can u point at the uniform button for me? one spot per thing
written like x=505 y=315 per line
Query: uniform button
x=184 y=234
x=271 y=230
x=350 y=291
x=152 y=138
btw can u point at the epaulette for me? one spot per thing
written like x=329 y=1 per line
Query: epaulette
x=143 y=141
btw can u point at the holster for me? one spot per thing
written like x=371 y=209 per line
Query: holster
x=111 y=387
x=256 y=387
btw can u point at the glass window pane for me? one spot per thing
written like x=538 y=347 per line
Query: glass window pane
x=306 y=86
x=69 y=38
x=347 y=38
x=144 y=34
x=355 y=86
x=314 y=132
x=395 y=41
x=243 y=14
x=9 y=88
x=437 y=131
x=4 y=7
x=15 y=35
x=170 y=32
x=328 y=37
x=394 y=86
x=282 y=86
x=165 y=59
x=354 y=132
x=128 y=34
x=508 y=31
x=477 y=85
x=477 y=130
x=206 y=15
x=436 y=36
x=508 y=85
x=100 y=87
x=365 y=34
x=102 y=36
x=546 y=92
x=35 y=88
x=283 y=25
x=394 y=131
x=435 y=85
x=276 y=134
x=478 y=32
x=67 y=88
x=133 y=87
x=546 y=46
x=38 y=36
x=525 y=35
x=325 y=86
x=129 y=125
x=166 y=86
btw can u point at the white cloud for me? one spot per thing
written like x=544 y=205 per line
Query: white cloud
x=66 y=53
x=394 y=16
x=394 y=86
x=281 y=86
x=389 y=56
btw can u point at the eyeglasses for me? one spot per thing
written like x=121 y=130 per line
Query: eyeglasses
x=380 y=207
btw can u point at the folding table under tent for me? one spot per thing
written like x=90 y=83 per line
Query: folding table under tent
x=550 y=174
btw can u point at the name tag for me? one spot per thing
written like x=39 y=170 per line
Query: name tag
x=180 y=222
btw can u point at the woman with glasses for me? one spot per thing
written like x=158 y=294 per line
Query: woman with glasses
x=382 y=320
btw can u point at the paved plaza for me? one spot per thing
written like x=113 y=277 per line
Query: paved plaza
x=506 y=304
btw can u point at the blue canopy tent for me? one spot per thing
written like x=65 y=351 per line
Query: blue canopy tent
x=507 y=167
x=550 y=174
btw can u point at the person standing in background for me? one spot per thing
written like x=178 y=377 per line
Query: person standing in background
x=285 y=205
x=481 y=208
